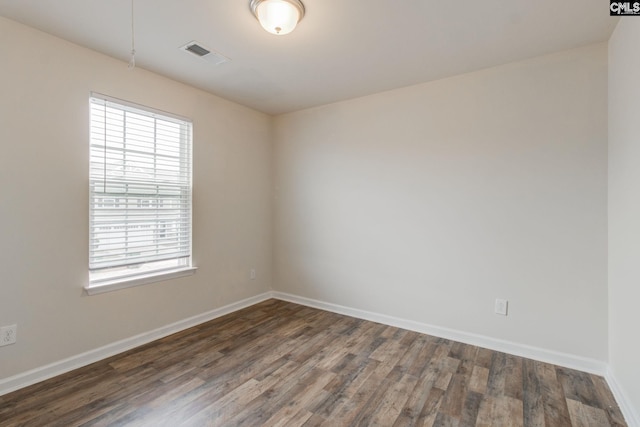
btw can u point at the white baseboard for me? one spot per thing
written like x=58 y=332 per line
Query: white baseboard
x=549 y=356
x=25 y=379
x=631 y=416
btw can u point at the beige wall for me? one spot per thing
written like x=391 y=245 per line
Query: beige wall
x=429 y=202
x=44 y=151
x=624 y=208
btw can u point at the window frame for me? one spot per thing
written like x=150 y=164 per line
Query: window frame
x=103 y=279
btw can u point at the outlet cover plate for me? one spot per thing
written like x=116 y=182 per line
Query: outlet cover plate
x=8 y=335
x=501 y=306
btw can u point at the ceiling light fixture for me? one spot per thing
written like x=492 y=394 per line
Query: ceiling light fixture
x=278 y=17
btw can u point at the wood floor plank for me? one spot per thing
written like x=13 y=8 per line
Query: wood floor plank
x=444 y=420
x=501 y=411
x=556 y=412
x=417 y=398
x=429 y=411
x=479 y=379
x=484 y=357
x=578 y=386
x=345 y=385
x=454 y=398
x=376 y=394
x=314 y=421
x=471 y=408
x=283 y=364
x=608 y=401
x=585 y=415
x=425 y=354
x=297 y=419
x=533 y=403
x=297 y=406
x=513 y=377
x=394 y=398
x=497 y=375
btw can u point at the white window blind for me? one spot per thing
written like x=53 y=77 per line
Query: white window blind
x=140 y=190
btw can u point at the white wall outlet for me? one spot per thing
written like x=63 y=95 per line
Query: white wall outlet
x=252 y=274
x=501 y=306
x=8 y=335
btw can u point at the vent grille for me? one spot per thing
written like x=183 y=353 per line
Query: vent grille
x=196 y=49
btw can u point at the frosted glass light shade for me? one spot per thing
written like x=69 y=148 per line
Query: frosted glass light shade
x=278 y=16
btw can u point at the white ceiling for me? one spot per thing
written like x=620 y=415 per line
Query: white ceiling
x=341 y=49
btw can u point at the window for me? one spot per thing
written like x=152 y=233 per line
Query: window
x=140 y=195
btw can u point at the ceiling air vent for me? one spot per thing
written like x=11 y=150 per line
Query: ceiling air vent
x=196 y=48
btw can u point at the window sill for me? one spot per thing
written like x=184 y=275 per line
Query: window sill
x=130 y=282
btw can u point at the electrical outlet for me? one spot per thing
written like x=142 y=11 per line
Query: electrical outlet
x=501 y=306
x=252 y=274
x=8 y=335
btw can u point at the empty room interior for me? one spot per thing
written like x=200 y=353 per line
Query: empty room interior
x=319 y=212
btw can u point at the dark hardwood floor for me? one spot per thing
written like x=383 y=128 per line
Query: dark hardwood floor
x=278 y=363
